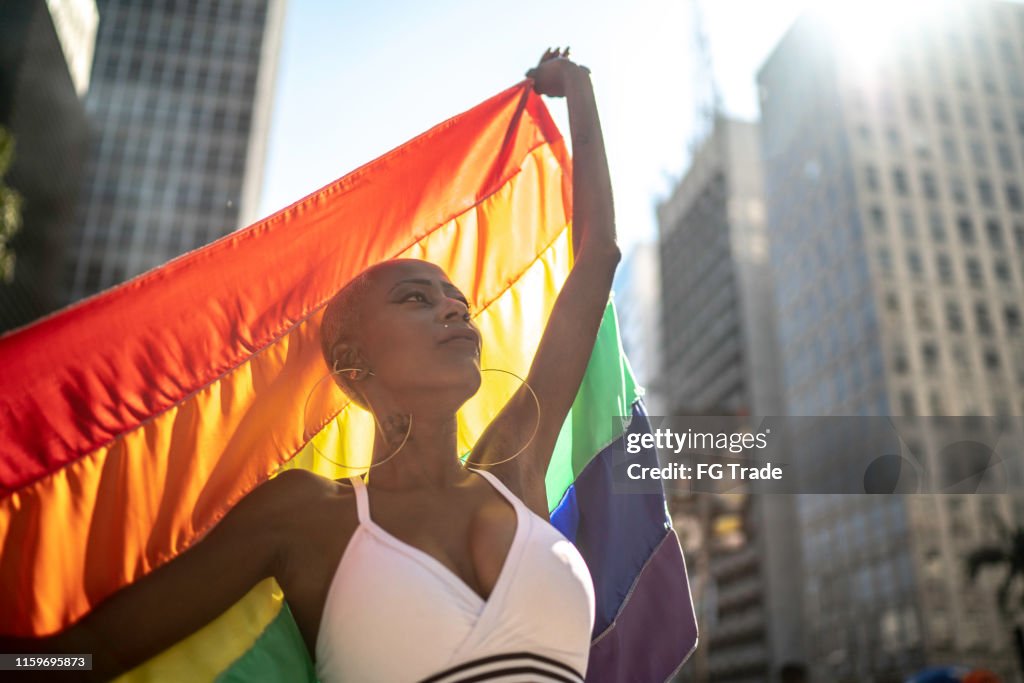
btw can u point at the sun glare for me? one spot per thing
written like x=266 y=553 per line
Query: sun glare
x=867 y=31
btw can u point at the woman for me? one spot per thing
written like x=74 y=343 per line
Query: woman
x=437 y=568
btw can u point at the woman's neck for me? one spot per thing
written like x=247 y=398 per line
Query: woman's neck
x=428 y=458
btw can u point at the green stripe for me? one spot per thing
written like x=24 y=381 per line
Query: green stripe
x=279 y=654
x=608 y=390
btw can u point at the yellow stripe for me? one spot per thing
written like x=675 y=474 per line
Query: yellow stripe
x=212 y=649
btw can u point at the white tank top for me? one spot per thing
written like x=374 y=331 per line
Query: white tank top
x=394 y=613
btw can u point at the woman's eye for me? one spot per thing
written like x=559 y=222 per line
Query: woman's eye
x=413 y=295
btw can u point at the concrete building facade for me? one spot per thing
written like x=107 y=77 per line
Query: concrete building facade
x=717 y=328
x=718 y=343
x=896 y=226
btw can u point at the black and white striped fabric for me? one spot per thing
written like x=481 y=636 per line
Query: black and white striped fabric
x=514 y=667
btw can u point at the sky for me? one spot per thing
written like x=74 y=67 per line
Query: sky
x=358 y=79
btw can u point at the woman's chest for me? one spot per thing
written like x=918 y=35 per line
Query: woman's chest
x=464 y=540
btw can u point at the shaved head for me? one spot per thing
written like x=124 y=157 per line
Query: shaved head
x=340 y=325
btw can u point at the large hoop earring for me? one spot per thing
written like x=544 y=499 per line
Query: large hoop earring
x=536 y=426
x=305 y=408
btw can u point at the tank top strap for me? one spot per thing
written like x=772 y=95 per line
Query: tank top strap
x=362 y=499
x=499 y=485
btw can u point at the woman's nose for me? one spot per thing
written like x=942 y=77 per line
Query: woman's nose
x=456 y=309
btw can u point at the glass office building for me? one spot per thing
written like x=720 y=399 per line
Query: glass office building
x=179 y=104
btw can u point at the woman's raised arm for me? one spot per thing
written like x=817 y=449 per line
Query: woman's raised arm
x=568 y=339
x=181 y=596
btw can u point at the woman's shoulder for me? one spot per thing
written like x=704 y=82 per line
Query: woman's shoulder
x=296 y=490
x=297 y=481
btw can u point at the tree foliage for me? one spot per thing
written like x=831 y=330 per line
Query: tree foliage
x=10 y=208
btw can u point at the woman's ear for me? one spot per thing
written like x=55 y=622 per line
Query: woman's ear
x=346 y=356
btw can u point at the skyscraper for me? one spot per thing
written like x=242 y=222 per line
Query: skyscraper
x=895 y=216
x=717 y=327
x=180 y=104
x=720 y=358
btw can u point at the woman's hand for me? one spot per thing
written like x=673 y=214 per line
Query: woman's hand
x=554 y=71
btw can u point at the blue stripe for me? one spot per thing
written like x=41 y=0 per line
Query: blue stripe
x=566 y=517
x=615 y=533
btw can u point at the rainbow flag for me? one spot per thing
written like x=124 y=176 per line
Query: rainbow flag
x=132 y=421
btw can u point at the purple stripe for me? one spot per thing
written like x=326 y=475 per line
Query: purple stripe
x=615 y=532
x=655 y=630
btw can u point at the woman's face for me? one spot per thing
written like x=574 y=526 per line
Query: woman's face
x=403 y=336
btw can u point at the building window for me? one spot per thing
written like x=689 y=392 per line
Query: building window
x=991 y=357
x=938 y=408
x=958 y=189
x=982 y=318
x=1013 y=197
x=938 y=227
x=930 y=354
x=931 y=190
x=942 y=110
x=1005 y=156
x=970 y=116
x=994 y=232
x=892 y=302
x=945 y=268
x=899 y=361
x=914 y=108
x=893 y=136
x=909 y=227
x=885 y=261
x=922 y=313
x=978 y=153
x=1002 y=270
x=966 y=229
x=878 y=218
x=985 y=193
x=954 y=319
x=998 y=124
x=899 y=181
x=1012 y=315
x=963 y=81
x=963 y=364
x=907 y=403
x=93 y=273
x=974 y=272
x=949 y=149
x=871 y=178
x=914 y=262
